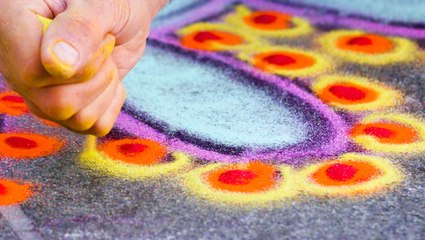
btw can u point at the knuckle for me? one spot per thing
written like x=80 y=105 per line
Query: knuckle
x=59 y=107
x=83 y=122
x=102 y=128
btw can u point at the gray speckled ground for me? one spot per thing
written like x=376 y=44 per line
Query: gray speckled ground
x=76 y=204
x=6 y=231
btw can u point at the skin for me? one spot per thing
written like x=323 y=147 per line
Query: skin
x=81 y=91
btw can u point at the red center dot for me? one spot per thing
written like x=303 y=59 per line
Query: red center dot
x=236 y=177
x=379 y=132
x=14 y=99
x=132 y=148
x=20 y=142
x=280 y=60
x=348 y=93
x=360 y=41
x=206 y=36
x=341 y=172
x=2 y=189
x=265 y=19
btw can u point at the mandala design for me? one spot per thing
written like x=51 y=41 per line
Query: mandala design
x=236 y=36
x=245 y=115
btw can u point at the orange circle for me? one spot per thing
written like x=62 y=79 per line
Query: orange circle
x=365 y=43
x=363 y=172
x=209 y=39
x=12 y=104
x=283 y=60
x=26 y=145
x=247 y=178
x=13 y=193
x=348 y=93
x=386 y=132
x=268 y=20
x=135 y=151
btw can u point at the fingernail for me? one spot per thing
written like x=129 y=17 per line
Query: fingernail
x=65 y=53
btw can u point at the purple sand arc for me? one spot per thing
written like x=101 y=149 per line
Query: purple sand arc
x=293 y=155
x=336 y=143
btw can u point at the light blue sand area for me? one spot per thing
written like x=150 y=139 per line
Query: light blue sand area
x=172 y=9
x=177 y=5
x=208 y=102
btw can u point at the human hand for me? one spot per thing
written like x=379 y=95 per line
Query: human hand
x=72 y=74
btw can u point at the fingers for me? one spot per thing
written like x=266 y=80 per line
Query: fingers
x=106 y=122
x=89 y=115
x=99 y=117
x=61 y=102
x=74 y=38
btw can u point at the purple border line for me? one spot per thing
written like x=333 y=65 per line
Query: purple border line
x=294 y=155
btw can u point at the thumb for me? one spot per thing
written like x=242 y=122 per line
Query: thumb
x=73 y=39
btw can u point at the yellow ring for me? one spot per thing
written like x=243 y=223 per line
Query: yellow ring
x=387 y=97
x=196 y=184
x=205 y=26
x=404 y=49
x=95 y=160
x=301 y=26
x=372 y=144
x=321 y=65
x=389 y=175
